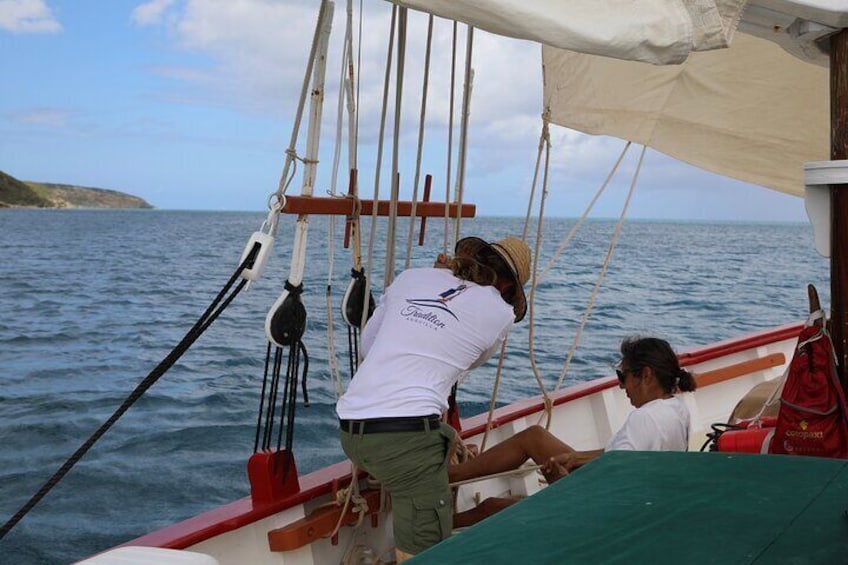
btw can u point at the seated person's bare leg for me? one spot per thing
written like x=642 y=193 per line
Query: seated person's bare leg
x=483 y=510
x=534 y=443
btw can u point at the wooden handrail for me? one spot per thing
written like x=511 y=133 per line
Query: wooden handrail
x=319 y=524
x=738 y=369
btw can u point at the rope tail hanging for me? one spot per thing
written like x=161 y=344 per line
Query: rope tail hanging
x=289 y=324
x=286 y=320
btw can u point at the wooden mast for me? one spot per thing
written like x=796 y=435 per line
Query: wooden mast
x=839 y=201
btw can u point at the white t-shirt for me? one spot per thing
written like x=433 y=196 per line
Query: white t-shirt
x=659 y=425
x=428 y=329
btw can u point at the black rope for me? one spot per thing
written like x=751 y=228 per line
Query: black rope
x=287 y=325
x=286 y=393
x=351 y=340
x=272 y=398
x=305 y=372
x=718 y=429
x=205 y=320
x=262 y=397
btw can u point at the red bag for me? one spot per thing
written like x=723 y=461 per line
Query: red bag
x=812 y=417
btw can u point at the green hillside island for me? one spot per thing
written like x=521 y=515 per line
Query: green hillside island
x=18 y=194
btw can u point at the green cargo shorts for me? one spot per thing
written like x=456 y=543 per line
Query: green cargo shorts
x=413 y=468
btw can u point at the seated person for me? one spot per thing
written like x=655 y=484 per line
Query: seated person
x=650 y=375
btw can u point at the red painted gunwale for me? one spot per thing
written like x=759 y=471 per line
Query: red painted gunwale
x=243 y=512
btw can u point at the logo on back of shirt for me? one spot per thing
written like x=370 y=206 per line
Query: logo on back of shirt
x=428 y=311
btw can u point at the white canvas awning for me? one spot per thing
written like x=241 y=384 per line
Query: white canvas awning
x=752 y=112
x=755 y=111
x=654 y=31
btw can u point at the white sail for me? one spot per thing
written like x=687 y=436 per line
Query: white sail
x=752 y=112
x=752 y=105
x=654 y=31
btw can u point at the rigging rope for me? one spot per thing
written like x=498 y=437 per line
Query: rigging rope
x=449 y=165
x=290 y=152
x=583 y=217
x=381 y=135
x=395 y=190
x=494 y=398
x=544 y=145
x=424 y=88
x=604 y=268
x=332 y=359
x=463 y=129
x=346 y=80
x=290 y=324
x=218 y=305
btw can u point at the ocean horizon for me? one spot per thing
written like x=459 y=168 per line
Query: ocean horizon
x=92 y=300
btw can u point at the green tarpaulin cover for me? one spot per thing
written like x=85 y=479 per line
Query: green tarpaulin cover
x=682 y=508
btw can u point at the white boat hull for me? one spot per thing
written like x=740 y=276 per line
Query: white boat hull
x=584 y=415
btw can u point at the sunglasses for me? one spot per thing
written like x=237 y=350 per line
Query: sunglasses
x=622 y=374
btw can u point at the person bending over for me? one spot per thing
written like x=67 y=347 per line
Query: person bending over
x=431 y=326
x=650 y=375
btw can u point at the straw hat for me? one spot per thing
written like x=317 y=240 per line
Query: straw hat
x=515 y=255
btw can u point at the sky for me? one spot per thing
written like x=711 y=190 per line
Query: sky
x=190 y=104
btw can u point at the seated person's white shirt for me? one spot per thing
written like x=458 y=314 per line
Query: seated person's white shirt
x=659 y=425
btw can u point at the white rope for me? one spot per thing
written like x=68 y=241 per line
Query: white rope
x=564 y=243
x=352 y=102
x=326 y=7
x=346 y=70
x=350 y=494
x=603 y=272
x=463 y=129
x=424 y=88
x=543 y=136
x=313 y=137
x=544 y=144
x=494 y=395
x=449 y=165
x=371 y=235
x=393 y=202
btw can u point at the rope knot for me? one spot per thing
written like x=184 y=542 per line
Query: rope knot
x=357 y=204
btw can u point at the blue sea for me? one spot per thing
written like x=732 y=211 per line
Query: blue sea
x=91 y=301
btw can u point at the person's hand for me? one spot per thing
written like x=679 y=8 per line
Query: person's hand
x=441 y=261
x=564 y=463
x=559 y=465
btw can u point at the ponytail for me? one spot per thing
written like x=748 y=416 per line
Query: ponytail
x=685 y=381
x=656 y=353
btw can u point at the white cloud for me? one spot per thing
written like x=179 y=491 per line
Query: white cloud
x=258 y=50
x=150 y=13
x=46 y=117
x=27 y=16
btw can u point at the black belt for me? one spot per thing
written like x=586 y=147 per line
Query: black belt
x=390 y=425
